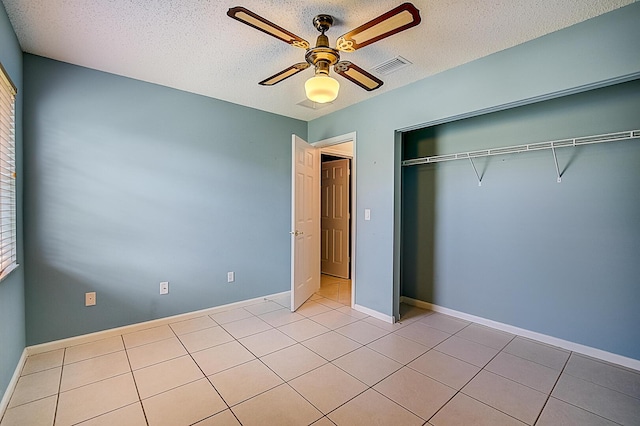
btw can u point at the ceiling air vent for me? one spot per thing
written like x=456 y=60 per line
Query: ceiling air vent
x=391 y=65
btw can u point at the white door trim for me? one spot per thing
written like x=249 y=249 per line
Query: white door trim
x=335 y=216
x=349 y=137
x=397 y=223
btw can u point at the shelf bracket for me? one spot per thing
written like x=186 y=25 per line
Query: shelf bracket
x=555 y=160
x=476 y=171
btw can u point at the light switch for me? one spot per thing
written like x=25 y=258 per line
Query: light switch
x=367 y=214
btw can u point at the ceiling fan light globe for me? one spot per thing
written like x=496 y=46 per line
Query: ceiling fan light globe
x=322 y=89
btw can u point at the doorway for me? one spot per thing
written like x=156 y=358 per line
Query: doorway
x=335 y=228
x=335 y=217
x=335 y=283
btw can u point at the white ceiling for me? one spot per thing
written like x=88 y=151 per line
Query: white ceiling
x=192 y=45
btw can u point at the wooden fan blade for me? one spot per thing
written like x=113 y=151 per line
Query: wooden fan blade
x=394 y=21
x=352 y=72
x=284 y=74
x=259 y=23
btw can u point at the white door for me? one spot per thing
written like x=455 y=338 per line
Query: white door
x=305 y=222
x=334 y=218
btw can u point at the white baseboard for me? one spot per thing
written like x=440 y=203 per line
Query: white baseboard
x=99 y=335
x=550 y=340
x=4 y=403
x=375 y=314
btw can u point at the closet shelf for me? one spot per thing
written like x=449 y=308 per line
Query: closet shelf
x=563 y=143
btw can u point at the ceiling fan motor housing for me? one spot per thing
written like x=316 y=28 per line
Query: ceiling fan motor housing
x=322 y=56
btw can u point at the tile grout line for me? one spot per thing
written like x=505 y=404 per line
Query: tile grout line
x=37 y=399
x=598 y=384
x=569 y=403
x=168 y=390
x=552 y=389
x=521 y=384
x=524 y=359
x=257 y=358
x=193 y=381
x=506 y=378
x=287 y=382
x=55 y=412
x=203 y=373
x=482 y=369
x=497 y=409
x=97 y=381
x=505 y=413
x=284 y=382
x=135 y=383
x=347 y=401
x=458 y=391
x=59 y=392
x=367 y=387
x=487 y=346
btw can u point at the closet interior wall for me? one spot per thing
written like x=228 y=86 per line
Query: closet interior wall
x=522 y=249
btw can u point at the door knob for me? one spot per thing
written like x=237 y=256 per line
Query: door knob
x=296 y=233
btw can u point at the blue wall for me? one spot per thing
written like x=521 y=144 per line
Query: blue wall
x=522 y=249
x=129 y=184
x=590 y=54
x=12 y=317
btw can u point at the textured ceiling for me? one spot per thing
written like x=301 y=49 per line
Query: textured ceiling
x=193 y=46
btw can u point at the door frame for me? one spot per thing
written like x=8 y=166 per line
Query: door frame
x=348 y=160
x=348 y=137
x=397 y=224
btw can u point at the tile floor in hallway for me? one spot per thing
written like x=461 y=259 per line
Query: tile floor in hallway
x=325 y=364
x=336 y=289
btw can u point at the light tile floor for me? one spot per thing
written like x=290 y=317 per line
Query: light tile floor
x=327 y=364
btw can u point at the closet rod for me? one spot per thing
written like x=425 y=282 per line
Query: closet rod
x=562 y=143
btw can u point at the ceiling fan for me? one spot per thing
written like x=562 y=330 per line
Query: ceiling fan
x=321 y=88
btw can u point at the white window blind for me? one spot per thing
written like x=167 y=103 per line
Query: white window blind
x=7 y=174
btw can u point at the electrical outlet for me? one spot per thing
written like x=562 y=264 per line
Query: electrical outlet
x=231 y=277
x=164 y=287
x=90 y=298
